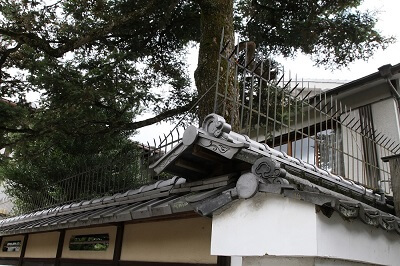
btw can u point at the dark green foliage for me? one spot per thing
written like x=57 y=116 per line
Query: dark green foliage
x=63 y=168
x=333 y=32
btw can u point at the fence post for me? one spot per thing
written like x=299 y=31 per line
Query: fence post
x=394 y=162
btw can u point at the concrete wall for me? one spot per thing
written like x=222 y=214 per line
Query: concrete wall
x=272 y=225
x=184 y=241
x=85 y=254
x=43 y=245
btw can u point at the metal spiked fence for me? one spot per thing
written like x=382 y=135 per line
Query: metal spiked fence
x=303 y=121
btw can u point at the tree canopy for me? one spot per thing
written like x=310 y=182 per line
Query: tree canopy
x=106 y=58
x=97 y=64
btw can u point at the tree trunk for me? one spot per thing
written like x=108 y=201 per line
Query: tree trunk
x=215 y=16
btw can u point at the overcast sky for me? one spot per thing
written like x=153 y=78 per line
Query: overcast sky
x=388 y=24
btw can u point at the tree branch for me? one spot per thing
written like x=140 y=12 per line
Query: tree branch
x=38 y=42
x=7 y=53
x=158 y=118
x=17 y=130
x=13 y=104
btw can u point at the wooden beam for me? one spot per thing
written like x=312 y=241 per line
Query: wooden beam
x=60 y=248
x=23 y=249
x=118 y=243
x=190 y=166
x=223 y=261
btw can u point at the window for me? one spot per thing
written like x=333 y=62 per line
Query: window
x=95 y=242
x=322 y=148
x=345 y=148
x=12 y=246
x=369 y=154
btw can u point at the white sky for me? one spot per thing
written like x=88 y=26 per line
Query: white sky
x=388 y=25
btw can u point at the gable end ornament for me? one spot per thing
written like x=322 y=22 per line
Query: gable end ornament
x=265 y=171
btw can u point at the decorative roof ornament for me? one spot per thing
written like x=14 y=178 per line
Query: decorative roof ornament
x=214 y=149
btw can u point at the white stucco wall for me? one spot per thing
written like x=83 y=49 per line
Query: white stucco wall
x=353 y=240
x=277 y=226
x=265 y=225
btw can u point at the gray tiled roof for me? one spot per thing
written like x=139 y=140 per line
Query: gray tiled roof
x=161 y=198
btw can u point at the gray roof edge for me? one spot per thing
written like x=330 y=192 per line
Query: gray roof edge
x=362 y=81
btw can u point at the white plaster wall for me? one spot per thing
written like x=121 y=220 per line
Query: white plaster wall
x=266 y=224
x=272 y=225
x=354 y=240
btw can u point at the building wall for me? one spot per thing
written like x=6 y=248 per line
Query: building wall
x=353 y=240
x=273 y=225
x=16 y=254
x=42 y=245
x=365 y=94
x=174 y=241
x=183 y=241
x=265 y=224
x=386 y=118
x=85 y=254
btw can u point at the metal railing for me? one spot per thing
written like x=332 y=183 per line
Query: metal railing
x=124 y=172
x=304 y=122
